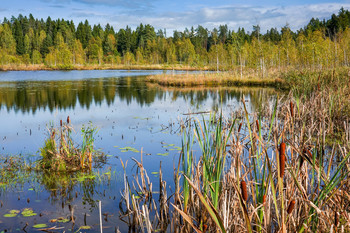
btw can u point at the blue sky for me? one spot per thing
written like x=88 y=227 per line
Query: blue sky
x=178 y=14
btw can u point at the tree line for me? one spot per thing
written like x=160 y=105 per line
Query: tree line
x=60 y=43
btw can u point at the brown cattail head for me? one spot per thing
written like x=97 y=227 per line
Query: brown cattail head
x=264 y=199
x=257 y=125
x=308 y=154
x=68 y=120
x=291 y=109
x=291 y=206
x=336 y=219
x=61 y=123
x=244 y=190
x=53 y=134
x=205 y=227
x=282 y=158
x=240 y=126
x=301 y=161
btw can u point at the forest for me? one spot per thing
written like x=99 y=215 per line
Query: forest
x=61 y=44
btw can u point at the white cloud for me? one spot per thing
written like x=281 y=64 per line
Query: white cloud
x=234 y=16
x=130 y=4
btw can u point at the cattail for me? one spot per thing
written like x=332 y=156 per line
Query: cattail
x=291 y=206
x=308 y=154
x=53 y=134
x=282 y=158
x=257 y=125
x=291 y=109
x=244 y=190
x=61 y=123
x=240 y=126
x=301 y=161
x=336 y=219
x=68 y=120
x=205 y=227
x=264 y=199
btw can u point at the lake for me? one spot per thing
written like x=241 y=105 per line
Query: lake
x=130 y=114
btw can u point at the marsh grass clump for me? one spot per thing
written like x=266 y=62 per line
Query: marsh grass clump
x=60 y=152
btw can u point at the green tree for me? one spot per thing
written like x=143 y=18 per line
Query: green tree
x=7 y=41
x=36 y=57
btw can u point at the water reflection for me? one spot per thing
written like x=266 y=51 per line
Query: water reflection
x=30 y=96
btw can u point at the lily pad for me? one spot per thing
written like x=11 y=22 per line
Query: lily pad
x=63 y=220
x=128 y=148
x=163 y=154
x=85 y=228
x=12 y=213
x=27 y=212
x=42 y=225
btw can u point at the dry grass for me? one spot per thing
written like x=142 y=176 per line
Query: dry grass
x=213 y=79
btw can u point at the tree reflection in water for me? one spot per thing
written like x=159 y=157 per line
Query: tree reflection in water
x=30 y=96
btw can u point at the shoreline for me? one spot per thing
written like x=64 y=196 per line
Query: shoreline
x=42 y=67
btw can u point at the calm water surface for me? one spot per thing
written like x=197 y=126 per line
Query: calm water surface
x=127 y=111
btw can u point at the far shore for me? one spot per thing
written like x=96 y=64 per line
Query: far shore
x=39 y=67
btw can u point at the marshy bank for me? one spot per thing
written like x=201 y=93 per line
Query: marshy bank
x=266 y=171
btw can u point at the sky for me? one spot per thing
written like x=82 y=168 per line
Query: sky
x=178 y=14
